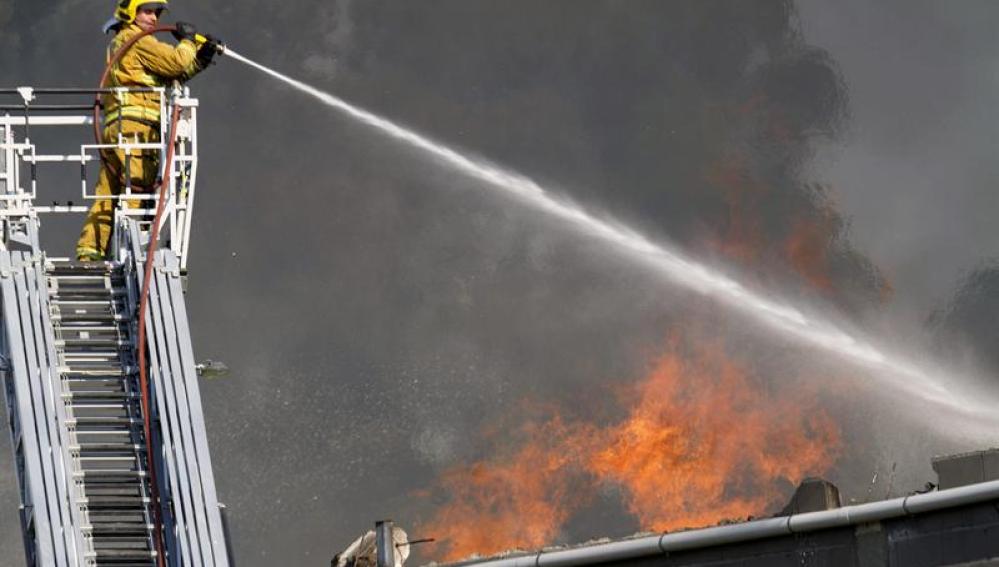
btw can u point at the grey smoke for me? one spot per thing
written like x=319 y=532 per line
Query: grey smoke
x=376 y=316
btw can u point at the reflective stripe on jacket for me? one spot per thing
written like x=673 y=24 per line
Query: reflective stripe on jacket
x=149 y=63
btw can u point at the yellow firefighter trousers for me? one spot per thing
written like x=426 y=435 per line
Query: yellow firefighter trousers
x=142 y=166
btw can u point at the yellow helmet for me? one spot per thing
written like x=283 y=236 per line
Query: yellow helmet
x=126 y=9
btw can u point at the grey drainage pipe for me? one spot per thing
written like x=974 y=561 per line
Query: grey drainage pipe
x=756 y=529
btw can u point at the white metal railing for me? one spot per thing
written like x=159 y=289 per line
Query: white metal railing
x=21 y=197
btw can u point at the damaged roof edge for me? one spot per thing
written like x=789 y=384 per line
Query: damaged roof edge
x=755 y=529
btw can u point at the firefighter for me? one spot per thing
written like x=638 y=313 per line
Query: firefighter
x=136 y=115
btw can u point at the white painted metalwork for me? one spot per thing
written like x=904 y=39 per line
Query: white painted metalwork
x=9 y=120
x=20 y=158
x=68 y=360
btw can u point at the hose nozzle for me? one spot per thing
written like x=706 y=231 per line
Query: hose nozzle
x=216 y=44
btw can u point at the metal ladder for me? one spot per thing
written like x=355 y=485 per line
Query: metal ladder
x=94 y=342
x=68 y=359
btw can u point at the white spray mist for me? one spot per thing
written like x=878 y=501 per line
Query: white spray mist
x=979 y=418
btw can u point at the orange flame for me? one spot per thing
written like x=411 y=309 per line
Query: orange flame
x=701 y=443
x=517 y=500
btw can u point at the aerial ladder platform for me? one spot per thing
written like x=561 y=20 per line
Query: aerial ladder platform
x=109 y=473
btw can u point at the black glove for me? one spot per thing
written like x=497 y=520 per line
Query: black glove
x=184 y=31
x=208 y=50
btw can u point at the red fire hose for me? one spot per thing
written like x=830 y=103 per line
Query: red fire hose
x=163 y=183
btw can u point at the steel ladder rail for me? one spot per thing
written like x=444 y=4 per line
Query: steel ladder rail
x=104 y=415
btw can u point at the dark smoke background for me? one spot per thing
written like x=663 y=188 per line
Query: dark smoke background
x=378 y=311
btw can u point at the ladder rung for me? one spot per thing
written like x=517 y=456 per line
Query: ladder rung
x=111 y=447
x=82 y=307
x=81 y=345
x=92 y=383
x=94 y=350
x=77 y=421
x=121 y=435
x=107 y=459
x=80 y=303
x=106 y=515
x=101 y=372
x=91 y=328
x=129 y=457
x=114 y=501
x=112 y=333
x=101 y=405
x=100 y=395
x=122 y=542
x=71 y=266
x=120 y=554
x=78 y=277
x=91 y=356
x=72 y=294
x=71 y=317
x=134 y=489
x=117 y=528
x=109 y=475
x=109 y=338
x=60 y=314
x=80 y=362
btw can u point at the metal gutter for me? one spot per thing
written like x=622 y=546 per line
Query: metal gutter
x=753 y=530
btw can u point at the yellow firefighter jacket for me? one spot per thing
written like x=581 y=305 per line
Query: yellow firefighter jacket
x=149 y=63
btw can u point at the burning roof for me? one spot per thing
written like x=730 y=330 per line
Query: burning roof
x=698 y=440
x=931 y=527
